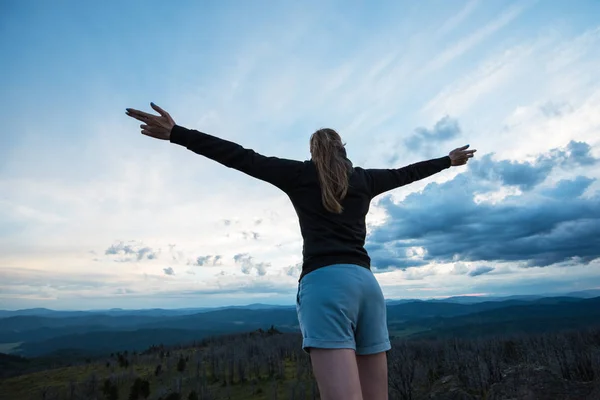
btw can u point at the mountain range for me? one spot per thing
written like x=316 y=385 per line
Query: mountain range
x=38 y=332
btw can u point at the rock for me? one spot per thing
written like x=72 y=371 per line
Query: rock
x=526 y=382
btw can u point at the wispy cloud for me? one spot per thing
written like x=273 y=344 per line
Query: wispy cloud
x=473 y=39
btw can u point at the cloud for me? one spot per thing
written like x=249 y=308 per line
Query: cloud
x=555 y=109
x=207 y=260
x=459 y=269
x=245 y=260
x=250 y=235
x=132 y=252
x=536 y=228
x=524 y=175
x=474 y=39
x=481 y=270
x=293 y=270
x=527 y=175
x=124 y=291
x=445 y=129
x=169 y=271
x=566 y=189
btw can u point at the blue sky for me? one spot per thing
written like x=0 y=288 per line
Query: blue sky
x=95 y=215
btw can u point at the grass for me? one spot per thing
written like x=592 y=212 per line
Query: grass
x=30 y=386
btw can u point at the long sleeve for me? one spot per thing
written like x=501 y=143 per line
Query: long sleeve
x=280 y=172
x=382 y=180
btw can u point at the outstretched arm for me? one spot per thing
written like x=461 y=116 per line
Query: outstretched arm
x=277 y=171
x=382 y=180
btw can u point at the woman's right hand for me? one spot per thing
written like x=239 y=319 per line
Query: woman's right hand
x=156 y=126
x=460 y=156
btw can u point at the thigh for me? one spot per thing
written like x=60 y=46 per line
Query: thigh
x=373 y=375
x=336 y=372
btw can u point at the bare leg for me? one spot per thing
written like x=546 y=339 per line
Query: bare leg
x=336 y=373
x=373 y=373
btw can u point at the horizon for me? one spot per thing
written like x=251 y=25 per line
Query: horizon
x=482 y=296
x=95 y=214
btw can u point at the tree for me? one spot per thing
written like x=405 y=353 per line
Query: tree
x=140 y=389
x=110 y=390
x=181 y=364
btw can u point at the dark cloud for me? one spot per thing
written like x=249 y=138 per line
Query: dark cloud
x=524 y=175
x=247 y=264
x=208 y=260
x=541 y=227
x=580 y=153
x=527 y=175
x=169 y=271
x=482 y=270
x=566 y=189
x=131 y=252
x=424 y=139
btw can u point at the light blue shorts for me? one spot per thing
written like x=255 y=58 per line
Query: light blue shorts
x=341 y=306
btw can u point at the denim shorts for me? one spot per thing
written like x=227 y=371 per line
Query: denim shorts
x=341 y=306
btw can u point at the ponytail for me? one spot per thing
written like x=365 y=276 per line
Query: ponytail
x=333 y=168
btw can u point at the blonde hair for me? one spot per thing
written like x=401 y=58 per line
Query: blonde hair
x=333 y=167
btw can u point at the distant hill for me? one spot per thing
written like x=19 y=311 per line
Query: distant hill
x=105 y=342
x=546 y=315
x=33 y=335
x=151 y=312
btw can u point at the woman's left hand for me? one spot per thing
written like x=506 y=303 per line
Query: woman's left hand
x=156 y=126
x=461 y=155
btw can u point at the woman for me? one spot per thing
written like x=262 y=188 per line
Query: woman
x=340 y=305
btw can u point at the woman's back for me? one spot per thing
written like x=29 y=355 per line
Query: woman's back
x=329 y=237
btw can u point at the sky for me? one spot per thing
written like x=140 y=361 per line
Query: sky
x=94 y=215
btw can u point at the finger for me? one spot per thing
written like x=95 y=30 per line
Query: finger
x=142 y=118
x=464 y=147
x=140 y=115
x=152 y=134
x=468 y=153
x=152 y=128
x=159 y=110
